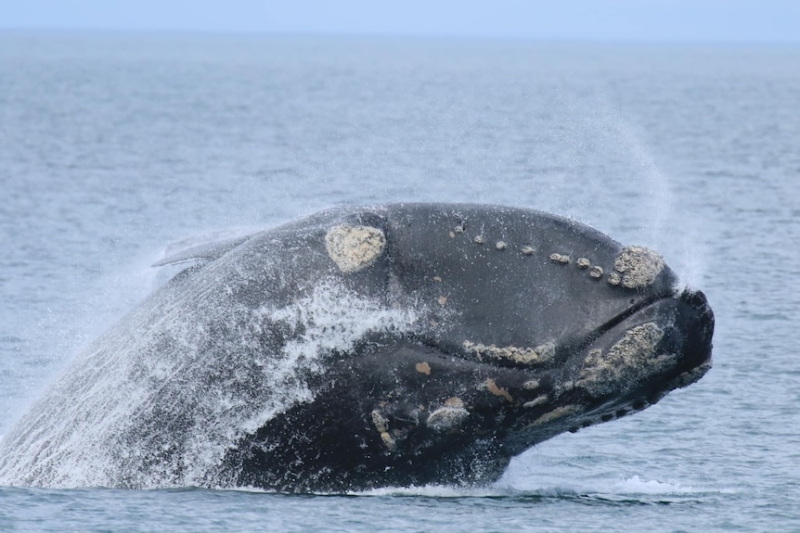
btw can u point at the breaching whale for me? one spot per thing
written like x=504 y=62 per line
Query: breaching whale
x=363 y=347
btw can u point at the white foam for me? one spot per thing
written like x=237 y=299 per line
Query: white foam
x=637 y=485
x=159 y=399
x=434 y=491
x=629 y=487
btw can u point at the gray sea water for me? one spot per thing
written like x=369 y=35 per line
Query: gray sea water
x=113 y=146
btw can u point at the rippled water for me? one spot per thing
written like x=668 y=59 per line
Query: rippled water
x=111 y=147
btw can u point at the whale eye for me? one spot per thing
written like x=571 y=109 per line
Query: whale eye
x=354 y=248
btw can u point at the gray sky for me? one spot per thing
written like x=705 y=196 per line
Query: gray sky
x=622 y=20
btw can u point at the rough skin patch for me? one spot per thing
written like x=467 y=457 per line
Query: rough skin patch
x=527 y=356
x=566 y=386
x=454 y=401
x=448 y=417
x=423 y=368
x=388 y=441
x=531 y=384
x=538 y=401
x=639 y=266
x=631 y=359
x=558 y=412
x=381 y=424
x=354 y=248
x=492 y=387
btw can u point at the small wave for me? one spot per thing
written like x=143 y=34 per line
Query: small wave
x=631 y=487
x=434 y=491
x=630 y=490
x=636 y=485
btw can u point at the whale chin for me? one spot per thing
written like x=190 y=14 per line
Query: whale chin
x=638 y=358
x=446 y=417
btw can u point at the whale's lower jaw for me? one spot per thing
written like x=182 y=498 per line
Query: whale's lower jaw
x=418 y=415
x=662 y=347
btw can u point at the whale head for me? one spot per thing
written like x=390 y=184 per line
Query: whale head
x=528 y=326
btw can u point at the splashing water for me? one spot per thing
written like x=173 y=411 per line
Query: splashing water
x=654 y=186
x=159 y=399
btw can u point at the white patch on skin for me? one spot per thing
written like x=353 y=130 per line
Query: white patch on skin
x=447 y=418
x=639 y=266
x=380 y=422
x=538 y=401
x=354 y=248
x=555 y=414
x=527 y=356
x=388 y=441
x=631 y=359
x=530 y=385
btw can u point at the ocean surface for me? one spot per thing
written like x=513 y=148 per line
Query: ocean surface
x=114 y=146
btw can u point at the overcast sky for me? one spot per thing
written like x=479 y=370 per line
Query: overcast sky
x=621 y=20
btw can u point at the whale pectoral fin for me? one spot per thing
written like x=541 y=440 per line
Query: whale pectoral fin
x=204 y=248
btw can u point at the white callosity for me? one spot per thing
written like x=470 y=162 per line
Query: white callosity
x=354 y=248
x=638 y=266
x=631 y=359
x=448 y=417
x=526 y=356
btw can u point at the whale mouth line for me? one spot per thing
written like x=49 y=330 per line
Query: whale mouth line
x=564 y=349
x=609 y=325
x=635 y=308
